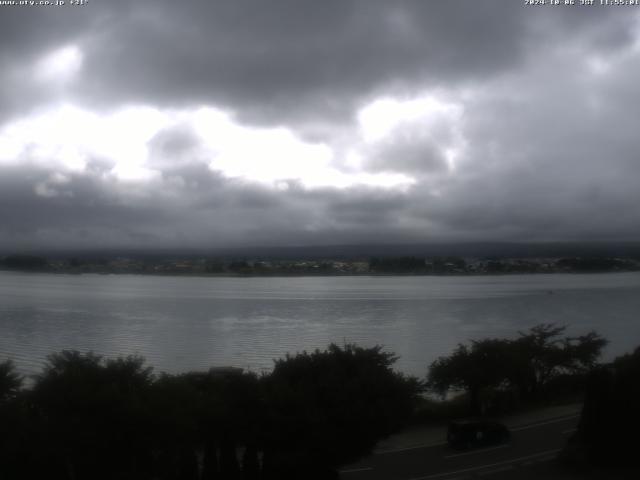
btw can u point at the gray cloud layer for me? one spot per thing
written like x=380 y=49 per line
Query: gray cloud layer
x=546 y=143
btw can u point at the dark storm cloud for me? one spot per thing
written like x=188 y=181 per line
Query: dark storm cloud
x=558 y=162
x=291 y=61
x=203 y=210
x=27 y=33
x=544 y=144
x=272 y=61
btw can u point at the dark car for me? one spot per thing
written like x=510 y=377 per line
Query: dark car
x=473 y=433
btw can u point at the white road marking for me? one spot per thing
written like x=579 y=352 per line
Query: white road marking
x=571 y=430
x=480 y=450
x=354 y=470
x=539 y=424
x=413 y=447
x=546 y=459
x=496 y=470
x=489 y=465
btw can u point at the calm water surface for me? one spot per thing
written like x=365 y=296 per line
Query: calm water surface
x=183 y=323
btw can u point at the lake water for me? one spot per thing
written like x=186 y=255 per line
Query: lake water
x=185 y=323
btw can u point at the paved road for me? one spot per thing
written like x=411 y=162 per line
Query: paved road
x=530 y=444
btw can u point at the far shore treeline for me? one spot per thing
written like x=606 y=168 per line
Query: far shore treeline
x=382 y=265
x=87 y=417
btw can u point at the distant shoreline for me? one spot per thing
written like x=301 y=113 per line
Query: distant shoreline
x=374 y=266
x=311 y=275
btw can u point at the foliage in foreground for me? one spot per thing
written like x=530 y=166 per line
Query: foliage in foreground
x=524 y=367
x=610 y=422
x=86 y=417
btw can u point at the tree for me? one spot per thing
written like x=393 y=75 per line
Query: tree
x=542 y=354
x=91 y=415
x=330 y=407
x=526 y=364
x=10 y=381
x=12 y=422
x=471 y=368
x=173 y=405
x=397 y=265
x=209 y=414
x=25 y=262
x=610 y=419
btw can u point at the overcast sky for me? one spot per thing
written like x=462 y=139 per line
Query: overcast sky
x=294 y=122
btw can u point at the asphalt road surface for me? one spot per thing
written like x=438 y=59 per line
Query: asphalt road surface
x=529 y=445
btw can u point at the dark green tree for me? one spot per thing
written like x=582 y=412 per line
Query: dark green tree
x=14 y=434
x=327 y=408
x=174 y=406
x=397 y=265
x=472 y=369
x=87 y=417
x=24 y=262
x=527 y=364
x=610 y=420
x=10 y=381
x=91 y=416
x=209 y=413
x=542 y=353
